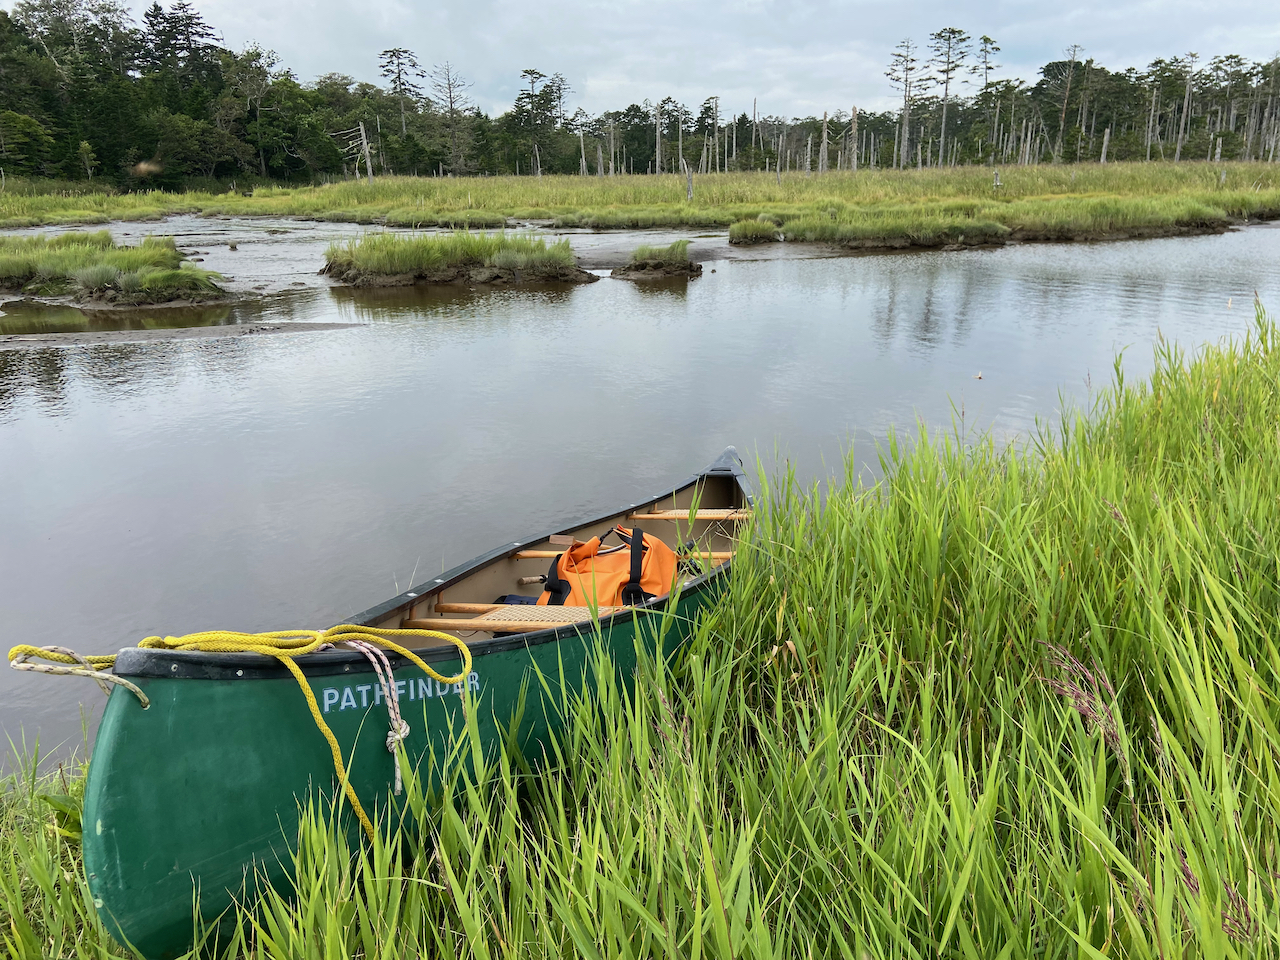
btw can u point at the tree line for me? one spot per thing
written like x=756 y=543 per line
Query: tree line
x=88 y=93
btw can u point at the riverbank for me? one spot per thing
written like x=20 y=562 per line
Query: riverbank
x=865 y=209
x=1011 y=701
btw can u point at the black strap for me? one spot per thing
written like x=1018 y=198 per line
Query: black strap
x=632 y=594
x=559 y=589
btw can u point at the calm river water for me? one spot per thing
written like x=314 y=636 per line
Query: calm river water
x=289 y=480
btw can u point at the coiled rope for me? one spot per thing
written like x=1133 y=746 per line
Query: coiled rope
x=283 y=645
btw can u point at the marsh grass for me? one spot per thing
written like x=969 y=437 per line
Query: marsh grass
x=1013 y=702
x=675 y=254
x=389 y=254
x=761 y=229
x=91 y=264
x=911 y=206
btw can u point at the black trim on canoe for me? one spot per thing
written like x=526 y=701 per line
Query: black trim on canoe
x=200 y=665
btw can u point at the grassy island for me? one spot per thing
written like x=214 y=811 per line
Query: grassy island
x=92 y=268
x=1015 y=702
x=654 y=262
x=869 y=208
x=461 y=257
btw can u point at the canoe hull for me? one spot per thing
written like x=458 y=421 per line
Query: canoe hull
x=197 y=798
x=235 y=758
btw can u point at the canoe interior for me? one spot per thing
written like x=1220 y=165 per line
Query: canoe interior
x=463 y=596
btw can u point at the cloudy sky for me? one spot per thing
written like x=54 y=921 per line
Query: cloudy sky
x=798 y=57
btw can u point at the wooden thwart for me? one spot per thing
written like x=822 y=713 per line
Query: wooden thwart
x=552 y=554
x=709 y=514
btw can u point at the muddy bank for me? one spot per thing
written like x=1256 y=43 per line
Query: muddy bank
x=657 y=270
x=40 y=341
x=459 y=276
x=105 y=305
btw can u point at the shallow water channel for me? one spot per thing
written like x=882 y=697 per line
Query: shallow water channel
x=288 y=480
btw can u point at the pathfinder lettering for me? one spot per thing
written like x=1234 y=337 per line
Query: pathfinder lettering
x=343 y=698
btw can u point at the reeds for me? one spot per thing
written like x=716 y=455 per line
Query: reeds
x=1014 y=702
x=388 y=254
x=90 y=264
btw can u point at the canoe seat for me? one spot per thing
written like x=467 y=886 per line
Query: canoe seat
x=527 y=613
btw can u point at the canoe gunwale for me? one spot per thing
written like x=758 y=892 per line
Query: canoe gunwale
x=727 y=464
x=201 y=665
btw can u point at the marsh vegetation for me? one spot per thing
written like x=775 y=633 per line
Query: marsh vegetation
x=886 y=208
x=649 y=262
x=92 y=267
x=459 y=257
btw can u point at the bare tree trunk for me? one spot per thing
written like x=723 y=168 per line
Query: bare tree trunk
x=1183 y=123
x=364 y=144
x=1151 y=120
x=1062 y=118
x=1106 y=142
x=657 y=151
x=599 y=160
x=853 y=139
x=582 y=144
x=688 y=181
x=808 y=157
x=715 y=118
x=822 y=155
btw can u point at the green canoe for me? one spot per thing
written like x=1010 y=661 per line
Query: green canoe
x=200 y=792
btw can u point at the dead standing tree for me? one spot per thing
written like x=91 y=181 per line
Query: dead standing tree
x=950 y=47
x=1186 y=106
x=451 y=94
x=1073 y=54
x=904 y=73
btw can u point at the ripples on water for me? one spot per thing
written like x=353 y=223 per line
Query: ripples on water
x=266 y=482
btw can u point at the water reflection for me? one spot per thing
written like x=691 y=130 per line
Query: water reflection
x=40 y=375
x=24 y=317
x=371 y=304
x=664 y=288
x=265 y=482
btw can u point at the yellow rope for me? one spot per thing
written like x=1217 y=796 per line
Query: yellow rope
x=27 y=650
x=284 y=645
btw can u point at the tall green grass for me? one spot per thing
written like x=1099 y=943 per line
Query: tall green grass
x=1012 y=702
x=91 y=264
x=389 y=254
x=674 y=254
x=928 y=206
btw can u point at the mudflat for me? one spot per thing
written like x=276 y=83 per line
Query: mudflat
x=76 y=338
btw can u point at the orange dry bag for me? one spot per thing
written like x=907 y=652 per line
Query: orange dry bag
x=585 y=575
